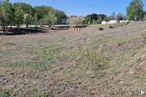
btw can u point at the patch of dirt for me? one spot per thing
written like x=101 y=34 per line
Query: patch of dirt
x=73 y=72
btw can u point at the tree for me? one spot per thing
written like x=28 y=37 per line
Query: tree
x=144 y=15
x=6 y=14
x=113 y=16
x=36 y=19
x=19 y=15
x=22 y=13
x=120 y=16
x=50 y=20
x=27 y=10
x=94 y=18
x=107 y=18
x=48 y=15
x=41 y=14
x=100 y=18
x=75 y=21
x=53 y=18
x=135 y=10
x=90 y=19
x=61 y=17
x=27 y=19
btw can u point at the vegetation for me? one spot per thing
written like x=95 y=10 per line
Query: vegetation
x=21 y=13
x=98 y=18
x=69 y=63
x=6 y=14
x=75 y=21
x=94 y=18
x=135 y=10
x=120 y=16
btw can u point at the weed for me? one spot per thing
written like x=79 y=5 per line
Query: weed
x=5 y=93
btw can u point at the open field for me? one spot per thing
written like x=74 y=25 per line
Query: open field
x=66 y=63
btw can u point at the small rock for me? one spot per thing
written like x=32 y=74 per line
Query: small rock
x=50 y=84
x=142 y=92
x=131 y=72
x=92 y=92
x=59 y=92
x=80 y=82
x=12 y=73
x=61 y=68
x=93 y=77
x=101 y=29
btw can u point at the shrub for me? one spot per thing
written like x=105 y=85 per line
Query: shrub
x=101 y=29
x=111 y=27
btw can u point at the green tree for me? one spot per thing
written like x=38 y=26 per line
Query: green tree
x=39 y=13
x=28 y=19
x=108 y=18
x=6 y=14
x=94 y=18
x=61 y=17
x=19 y=15
x=22 y=13
x=90 y=19
x=75 y=21
x=27 y=10
x=42 y=11
x=50 y=20
x=53 y=18
x=36 y=19
x=135 y=10
x=48 y=15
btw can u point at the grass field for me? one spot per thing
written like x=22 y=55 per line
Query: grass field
x=67 y=63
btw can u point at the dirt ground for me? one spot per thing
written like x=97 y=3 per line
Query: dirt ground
x=67 y=63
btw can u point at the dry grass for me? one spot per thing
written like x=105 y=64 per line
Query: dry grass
x=83 y=63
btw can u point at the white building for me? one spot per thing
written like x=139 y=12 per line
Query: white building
x=112 y=22
x=104 y=22
x=124 y=21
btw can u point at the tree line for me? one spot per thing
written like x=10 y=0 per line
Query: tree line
x=19 y=13
x=16 y=14
x=98 y=18
x=134 y=12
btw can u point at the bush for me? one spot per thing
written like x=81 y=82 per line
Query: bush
x=111 y=27
x=101 y=29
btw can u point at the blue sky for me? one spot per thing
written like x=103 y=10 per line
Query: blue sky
x=84 y=7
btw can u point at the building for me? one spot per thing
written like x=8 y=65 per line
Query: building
x=124 y=21
x=112 y=22
x=104 y=22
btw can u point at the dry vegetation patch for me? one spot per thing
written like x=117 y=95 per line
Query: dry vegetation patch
x=79 y=64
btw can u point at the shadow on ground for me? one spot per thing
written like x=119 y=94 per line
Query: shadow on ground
x=22 y=31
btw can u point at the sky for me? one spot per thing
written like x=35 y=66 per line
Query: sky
x=84 y=7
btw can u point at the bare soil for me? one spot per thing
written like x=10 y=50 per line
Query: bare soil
x=68 y=63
